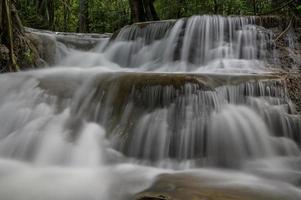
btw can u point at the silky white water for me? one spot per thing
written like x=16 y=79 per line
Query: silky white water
x=192 y=96
x=198 y=44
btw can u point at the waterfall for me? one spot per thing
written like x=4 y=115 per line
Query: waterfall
x=200 y=43
x=196 y=98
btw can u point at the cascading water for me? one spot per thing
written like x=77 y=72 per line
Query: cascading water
x=194 y=98
x=200 y=43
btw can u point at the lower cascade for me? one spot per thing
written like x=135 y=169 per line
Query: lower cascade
x=189 y=109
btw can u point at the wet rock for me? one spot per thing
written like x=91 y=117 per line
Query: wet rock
x=81 y=41
x=185 y=187
x=27 y=54
x=46 y=46
x=293 y=83
x=150 y=31
x=47 y=42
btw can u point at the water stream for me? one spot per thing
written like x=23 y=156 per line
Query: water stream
x=196 y=98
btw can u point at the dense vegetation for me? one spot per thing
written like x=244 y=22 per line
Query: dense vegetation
x=109 y=15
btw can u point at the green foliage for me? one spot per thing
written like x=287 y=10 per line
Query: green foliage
x=108 y=15
x=182 y=8
x=111 y=15
x=104 y=15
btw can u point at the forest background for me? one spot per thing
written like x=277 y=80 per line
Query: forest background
x=102 y=16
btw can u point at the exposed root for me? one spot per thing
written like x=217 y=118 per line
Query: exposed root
x=286 y=30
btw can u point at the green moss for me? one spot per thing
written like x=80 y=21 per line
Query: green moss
x=28 y=56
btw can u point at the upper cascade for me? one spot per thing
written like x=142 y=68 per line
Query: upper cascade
x=199 y=44
x=196 y=44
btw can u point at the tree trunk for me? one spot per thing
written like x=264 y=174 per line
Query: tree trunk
x=143 y=10
x=7 y=37
x=137 y=11
x=45 y=9
x=150 y=11
x=83 y=16
x=66 y=14
x=51 y=8
x=215 y=7
x=179 y=8
x=16 y=48
x=254 y=7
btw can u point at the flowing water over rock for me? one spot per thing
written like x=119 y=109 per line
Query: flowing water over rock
x=196 y=100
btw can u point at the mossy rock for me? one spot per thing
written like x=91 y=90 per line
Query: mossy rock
x=4 y=58
x=44 y=46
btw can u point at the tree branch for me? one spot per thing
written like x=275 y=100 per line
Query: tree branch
x=286 y=30
x=10 y=36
